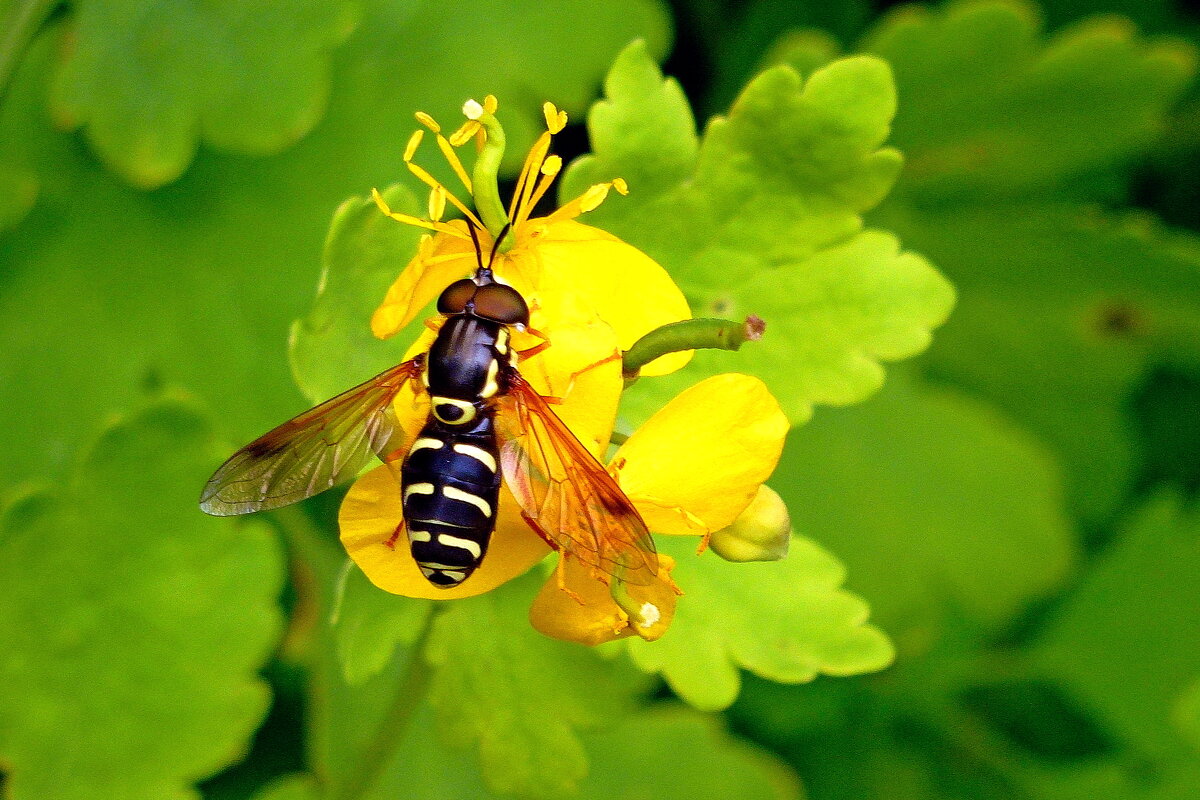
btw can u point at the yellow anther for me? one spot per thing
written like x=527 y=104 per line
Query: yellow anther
x=472 y=110
x=620 y=185
x=555 y=120
x=594 y=196
x=490 y=104
x=414 y=142
x=437 y=203
x=428 y=122
x=551 y=165
x=464 y=133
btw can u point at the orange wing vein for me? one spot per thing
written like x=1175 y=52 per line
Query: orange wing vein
x=567 y=496
x=314 y=451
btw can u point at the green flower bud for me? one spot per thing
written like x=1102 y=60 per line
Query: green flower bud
x=760 y=533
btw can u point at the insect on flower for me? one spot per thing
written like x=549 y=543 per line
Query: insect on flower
x=484 y=423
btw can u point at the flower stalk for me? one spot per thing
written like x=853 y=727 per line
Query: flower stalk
x=689 y=334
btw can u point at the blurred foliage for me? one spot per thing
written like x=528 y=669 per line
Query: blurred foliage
x=1016 y=505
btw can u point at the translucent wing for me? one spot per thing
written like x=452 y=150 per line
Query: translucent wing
x=315 y=451
x=568 y=497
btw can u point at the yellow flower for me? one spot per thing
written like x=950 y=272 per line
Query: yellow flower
x=692 y=469
x=553 y=260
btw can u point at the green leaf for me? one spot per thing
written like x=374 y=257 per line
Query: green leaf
x=133 y=625
x=935 y=501
x=332 y=348
x=371 y=624
x=518 y=695
x=787 y=620
x=292 y=787
x=1058 y=329
x=18 y=191
x=107 y=290
x=674 y=754
x=1187 y=714
x=148 y=79
x=1021 y=114
x=763 y=216
x=1125 y=640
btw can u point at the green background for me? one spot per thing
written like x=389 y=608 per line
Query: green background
x=1014 y=502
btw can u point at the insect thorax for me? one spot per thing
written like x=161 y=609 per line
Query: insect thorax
x=465 y=367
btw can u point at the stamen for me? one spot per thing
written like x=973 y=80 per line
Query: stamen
x=464 y=133
x=408 y=219
x=550 y=169
x=589 y=200
x=490 y=104
x=437 y=204
x=555 y=120
x=414 y=142
x=432 y=183
x=525 y=184
x=455 y=164
x=428 y=121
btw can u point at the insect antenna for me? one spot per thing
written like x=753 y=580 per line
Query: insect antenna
x=478 y=251
x=484 y=273
x=496 y=244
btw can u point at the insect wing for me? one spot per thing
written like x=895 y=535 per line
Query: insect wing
x=565 y=492
x=314 y=451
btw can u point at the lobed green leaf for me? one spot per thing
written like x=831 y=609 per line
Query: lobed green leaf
x=1057 y=329
x=107 y=289
x=371 y=624
x=1125 y=639
x=1022 y=113
x=763 y=215
x=516 y=694
x=935 y=501
x=150 y=79
x=788 y=621
x=133 y=625
x=332 y=347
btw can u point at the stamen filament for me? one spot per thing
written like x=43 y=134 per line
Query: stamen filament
x=416 y=222
x=533 y=163
x=456 y=165
x=432 y=183
x=550 y=169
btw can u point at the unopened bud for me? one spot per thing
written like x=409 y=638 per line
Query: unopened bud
x=760 y=533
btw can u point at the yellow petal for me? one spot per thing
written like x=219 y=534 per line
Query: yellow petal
x=370 y=514
x=581 y=367
x=627 y=288
x=437 y=265
x=697 y=463
x=598 y=618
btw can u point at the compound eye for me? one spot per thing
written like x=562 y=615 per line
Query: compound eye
x=501 y=303
x=454 y=298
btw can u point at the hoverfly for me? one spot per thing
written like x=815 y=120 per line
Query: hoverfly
x=485 y=424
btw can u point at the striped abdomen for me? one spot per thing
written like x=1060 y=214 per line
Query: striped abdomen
x=451 y=487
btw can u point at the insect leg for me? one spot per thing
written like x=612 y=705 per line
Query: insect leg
x=391 y=540
x=537 y=348
x=560 y=578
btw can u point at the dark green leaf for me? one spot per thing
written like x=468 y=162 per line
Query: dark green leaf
x=133 y=625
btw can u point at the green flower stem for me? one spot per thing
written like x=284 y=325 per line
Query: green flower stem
x=690 y=334
x=24 y=20
x=393 y=728
x=486 y=179
x=317 y=562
